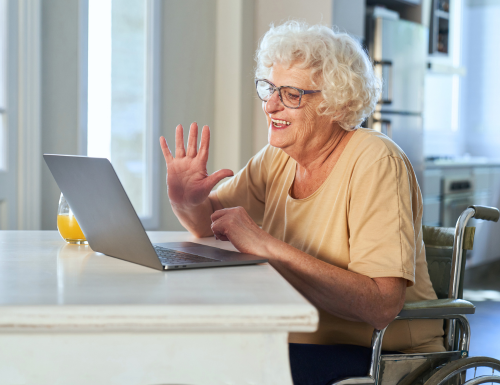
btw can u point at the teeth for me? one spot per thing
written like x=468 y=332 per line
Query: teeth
x=281 y=121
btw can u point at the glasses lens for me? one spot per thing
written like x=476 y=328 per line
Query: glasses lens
x=264 y=90
x=290 y=96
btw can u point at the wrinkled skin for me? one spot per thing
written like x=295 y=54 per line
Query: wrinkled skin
x=188 y=181
x=308 y=140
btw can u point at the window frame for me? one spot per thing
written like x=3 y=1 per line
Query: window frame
x=153 y=84
x=4 y=55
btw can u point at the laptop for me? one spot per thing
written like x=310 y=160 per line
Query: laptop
x=112 y=227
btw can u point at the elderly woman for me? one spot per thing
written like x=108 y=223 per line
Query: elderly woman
x=335 y=208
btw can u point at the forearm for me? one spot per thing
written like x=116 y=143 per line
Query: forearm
x=340 y=292
x=196 y=219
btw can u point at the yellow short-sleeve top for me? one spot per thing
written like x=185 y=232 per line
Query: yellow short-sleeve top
x=366 y=218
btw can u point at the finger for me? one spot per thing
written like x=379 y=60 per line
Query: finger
x=219 y=231
x=217 y=176
x=217 y=215
x=192 y=140
x=180 y=152
x=166 y=151
x=220 y=236
x=204 y=144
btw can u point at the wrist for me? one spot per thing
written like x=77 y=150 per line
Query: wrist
x=184 y=207
x=273 y=248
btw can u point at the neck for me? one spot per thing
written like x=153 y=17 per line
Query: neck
x=318 y=155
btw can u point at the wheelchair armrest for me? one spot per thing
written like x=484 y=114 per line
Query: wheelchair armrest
x=436 y=308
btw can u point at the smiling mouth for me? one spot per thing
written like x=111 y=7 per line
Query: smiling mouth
x=280 y=123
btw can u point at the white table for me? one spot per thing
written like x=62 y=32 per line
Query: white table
x=72 y=316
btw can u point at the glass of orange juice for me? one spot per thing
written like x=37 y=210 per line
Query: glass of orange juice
x=67 y=225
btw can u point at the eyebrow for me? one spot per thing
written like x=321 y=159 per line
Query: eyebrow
x=305 y=91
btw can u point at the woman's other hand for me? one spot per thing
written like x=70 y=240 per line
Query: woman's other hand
x=188 y=181
x=235 y=225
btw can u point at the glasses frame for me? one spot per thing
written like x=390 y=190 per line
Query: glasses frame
x=275 y=88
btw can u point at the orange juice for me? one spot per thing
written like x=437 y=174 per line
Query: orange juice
x=69 y=228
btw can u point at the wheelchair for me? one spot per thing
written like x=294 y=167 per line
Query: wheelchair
x=445 y=252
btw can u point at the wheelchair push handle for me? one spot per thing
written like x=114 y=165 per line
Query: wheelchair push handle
x=486 y=213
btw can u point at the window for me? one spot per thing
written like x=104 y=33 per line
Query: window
x=122 y=56
x=3 y=85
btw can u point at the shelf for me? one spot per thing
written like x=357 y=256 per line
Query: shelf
x=442 y=14
x=394 y=2
x=446 y=69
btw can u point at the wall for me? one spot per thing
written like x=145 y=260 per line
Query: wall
x=224 y=75
x=60 y=74
x=234 y=89
x=349 y=16
x=443 y=127
x=442 y=131
x=480 y=87
x=187 y=84
x=9 y=177
x=194 y=37
x=479 y=107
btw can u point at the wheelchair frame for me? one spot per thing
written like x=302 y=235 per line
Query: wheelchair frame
x=406 y=369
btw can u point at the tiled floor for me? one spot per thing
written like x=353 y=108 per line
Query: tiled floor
x=482 y=288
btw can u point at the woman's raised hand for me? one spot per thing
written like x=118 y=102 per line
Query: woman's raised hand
x=188 y=181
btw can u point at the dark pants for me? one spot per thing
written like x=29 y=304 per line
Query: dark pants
x=320 y=364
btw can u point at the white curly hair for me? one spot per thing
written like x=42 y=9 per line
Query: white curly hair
x=339 y=67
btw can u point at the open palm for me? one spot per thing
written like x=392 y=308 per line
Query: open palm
x=188 y=181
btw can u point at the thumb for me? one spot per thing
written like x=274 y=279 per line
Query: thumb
x=217 y=176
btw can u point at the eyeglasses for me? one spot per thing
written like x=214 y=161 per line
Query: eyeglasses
x=289 y=96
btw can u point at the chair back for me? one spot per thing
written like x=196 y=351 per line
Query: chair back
x=439 y=252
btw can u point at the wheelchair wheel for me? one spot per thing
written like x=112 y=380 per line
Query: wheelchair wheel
x=465 y=370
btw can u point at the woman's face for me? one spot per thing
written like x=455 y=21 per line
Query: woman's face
x=304 y=128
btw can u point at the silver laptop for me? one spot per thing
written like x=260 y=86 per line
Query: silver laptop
x=112 y=227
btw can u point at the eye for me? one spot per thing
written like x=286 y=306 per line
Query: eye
x=292 y=94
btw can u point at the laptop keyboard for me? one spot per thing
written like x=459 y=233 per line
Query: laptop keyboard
x=174 y=257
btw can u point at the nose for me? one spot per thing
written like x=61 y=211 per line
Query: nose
x=274 y=104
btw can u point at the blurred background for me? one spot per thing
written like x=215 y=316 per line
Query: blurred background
x=107 y=77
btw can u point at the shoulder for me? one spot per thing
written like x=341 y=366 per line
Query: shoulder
x=373 y=144
x=269 y=152
x=370 y=146
x=272 y=158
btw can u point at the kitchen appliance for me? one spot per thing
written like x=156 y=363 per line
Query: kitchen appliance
x=458 y=194
x=399 y=52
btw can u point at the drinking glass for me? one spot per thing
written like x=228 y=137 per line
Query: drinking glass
x=67 y=225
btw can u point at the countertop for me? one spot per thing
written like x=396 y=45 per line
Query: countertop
x=45 y=281
x=462 y=163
